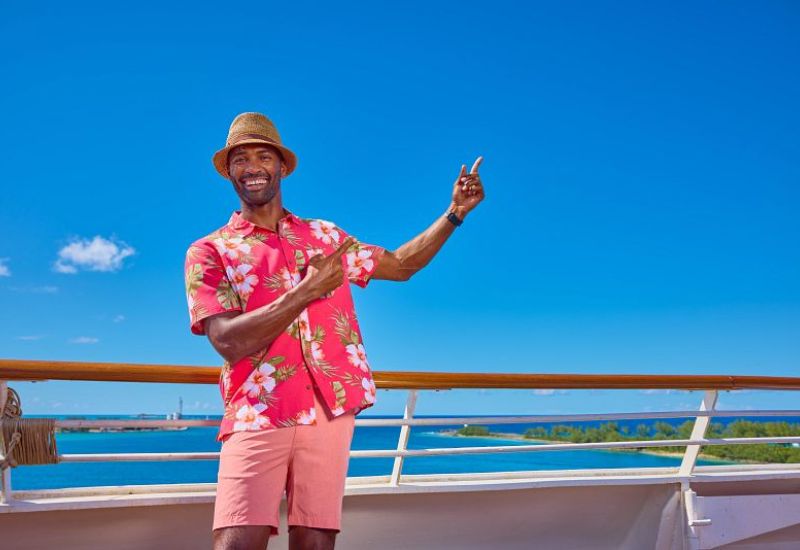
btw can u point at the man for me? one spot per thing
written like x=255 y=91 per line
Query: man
x=268 y=291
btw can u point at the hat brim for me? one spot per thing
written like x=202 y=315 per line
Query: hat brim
x=220 y=158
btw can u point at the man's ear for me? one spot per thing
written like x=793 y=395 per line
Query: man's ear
x=284 y=169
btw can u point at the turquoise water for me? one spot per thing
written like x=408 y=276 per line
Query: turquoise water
x=203 y=439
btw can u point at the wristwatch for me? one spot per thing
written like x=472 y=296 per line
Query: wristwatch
x=455 y=220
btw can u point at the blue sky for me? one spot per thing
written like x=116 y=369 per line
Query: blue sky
x=641 y=168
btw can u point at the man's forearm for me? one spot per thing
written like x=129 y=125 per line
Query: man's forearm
x=419 y=251
x=239 y=336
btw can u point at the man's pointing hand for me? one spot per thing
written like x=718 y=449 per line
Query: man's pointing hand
x=468 y=189
x=325 y=274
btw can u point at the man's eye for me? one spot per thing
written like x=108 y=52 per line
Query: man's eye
x=238 y=160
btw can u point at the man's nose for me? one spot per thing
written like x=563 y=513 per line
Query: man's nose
x=252 y=167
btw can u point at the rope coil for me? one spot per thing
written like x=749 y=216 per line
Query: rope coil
x=25 y=441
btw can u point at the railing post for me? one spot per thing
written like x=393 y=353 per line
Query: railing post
x=402 y=442
x=5 y=473
x=698 y=432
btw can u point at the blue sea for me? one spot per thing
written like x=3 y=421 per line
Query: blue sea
x=204 y=440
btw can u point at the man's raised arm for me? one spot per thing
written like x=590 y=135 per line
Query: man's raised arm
x=402 y=263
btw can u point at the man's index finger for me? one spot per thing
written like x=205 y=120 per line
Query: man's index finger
x=347 y=243
x=476 y=165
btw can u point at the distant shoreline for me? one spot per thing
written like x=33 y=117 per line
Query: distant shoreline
x=520 y=437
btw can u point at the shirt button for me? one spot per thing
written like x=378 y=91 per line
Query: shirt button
x=308 y=386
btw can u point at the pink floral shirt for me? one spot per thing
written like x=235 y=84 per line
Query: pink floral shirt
x=241 y=267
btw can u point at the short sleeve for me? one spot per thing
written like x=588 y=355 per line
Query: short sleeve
x=361 y=261
x=208 y=289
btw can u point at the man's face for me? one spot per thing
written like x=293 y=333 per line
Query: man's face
x=256 y=171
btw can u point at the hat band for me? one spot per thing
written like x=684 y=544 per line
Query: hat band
x=242 y=137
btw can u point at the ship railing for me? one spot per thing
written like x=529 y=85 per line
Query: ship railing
x=414 y=383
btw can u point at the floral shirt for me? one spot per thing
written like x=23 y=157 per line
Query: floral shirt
x=241 y=267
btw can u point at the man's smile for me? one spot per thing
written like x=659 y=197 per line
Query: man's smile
x=254 y=184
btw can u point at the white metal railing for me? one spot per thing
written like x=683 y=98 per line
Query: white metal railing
x=693 y=444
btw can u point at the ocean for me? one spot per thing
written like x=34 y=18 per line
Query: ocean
x=204 y=440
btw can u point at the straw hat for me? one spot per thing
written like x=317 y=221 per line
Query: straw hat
x=252 y=128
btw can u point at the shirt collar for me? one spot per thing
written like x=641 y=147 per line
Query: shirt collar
x=244 y=227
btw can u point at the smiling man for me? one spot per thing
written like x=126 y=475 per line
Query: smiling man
x=269 y=291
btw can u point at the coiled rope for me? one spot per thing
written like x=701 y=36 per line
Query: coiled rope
x=25 y=441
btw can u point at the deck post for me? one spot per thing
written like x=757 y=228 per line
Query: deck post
x=402 y=441
x=698 y=432
x=5 y=474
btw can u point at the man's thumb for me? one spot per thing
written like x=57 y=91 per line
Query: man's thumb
x=313 y=260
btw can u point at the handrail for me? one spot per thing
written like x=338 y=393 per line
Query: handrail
x=16 y=369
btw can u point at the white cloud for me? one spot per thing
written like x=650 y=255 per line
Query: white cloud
x=84 y=340
x=4 y=271
x=98 y=254
x=118 y=318
x=30 y=338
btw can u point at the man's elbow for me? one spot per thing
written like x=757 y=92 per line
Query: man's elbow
x=220 y=339
x=405 y=274
x=403 y=271
x=228 y=350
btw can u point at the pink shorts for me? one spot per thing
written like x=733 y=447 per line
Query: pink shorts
x=308 y=462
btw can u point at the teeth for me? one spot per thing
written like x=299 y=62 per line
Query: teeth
x=255 y=182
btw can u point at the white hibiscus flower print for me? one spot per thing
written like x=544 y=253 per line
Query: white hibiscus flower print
x=260 y=380
x=249 y=417
x=311 y=252
x=325 y=231
x=303 y=326
x=359 y=261
x=232 y=247
x=307 y=417
x=369 y=389
x=242 y=280
x=338 y=411
x=290 y=278
x=316 y=351
x=357 y=356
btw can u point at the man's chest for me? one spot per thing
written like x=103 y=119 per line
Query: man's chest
x=262 y=267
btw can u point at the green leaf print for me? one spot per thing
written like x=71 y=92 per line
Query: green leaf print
x=255 y=238
x=277 y=360
x=294 y=330
x=226 y=296
x=326 y=368
x=283 y=373
x=291 y=236
x=194 y=278
x=299 y=258
x=319 y=334
x=274 y=282
x=342 y=327
x=267 y=398
x=351 y=380
x=339 y=392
